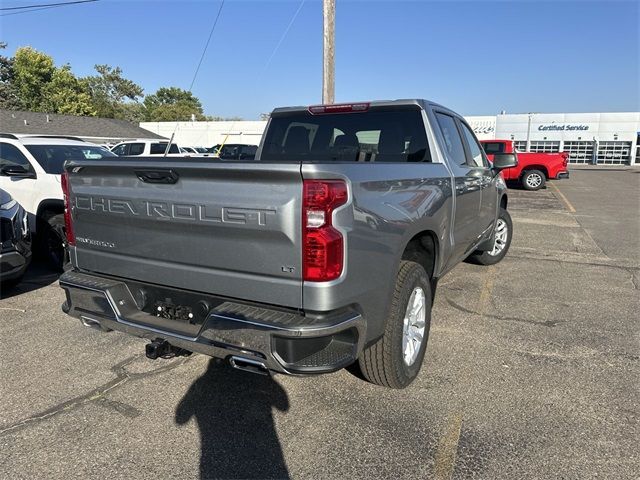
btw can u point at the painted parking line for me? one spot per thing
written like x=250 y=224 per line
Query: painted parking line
x=445 y=460
x=564 y=199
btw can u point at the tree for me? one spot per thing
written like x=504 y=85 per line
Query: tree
x=66 y=95
x=9 y=98
x=132 y=112
x=32 y=71
x=31 y=81
x=40 y=86
x=110 y=92
x=172 y=104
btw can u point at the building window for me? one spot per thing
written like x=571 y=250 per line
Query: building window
x=579 y=152
x=614 y=152
x=544 y=146
x=520 y=145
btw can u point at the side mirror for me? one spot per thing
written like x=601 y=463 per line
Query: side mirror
x=17 y=171
x=504 y=160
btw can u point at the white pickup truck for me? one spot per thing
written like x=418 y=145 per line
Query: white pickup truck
x=146 y=147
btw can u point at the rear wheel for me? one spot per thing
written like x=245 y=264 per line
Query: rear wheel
x=55 y=242
x=501 y=241
x=394 y=360
x=533 y=180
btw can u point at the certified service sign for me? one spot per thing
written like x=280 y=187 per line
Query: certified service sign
x=560 y=128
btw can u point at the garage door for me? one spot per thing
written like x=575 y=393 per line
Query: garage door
x=614 y=153
x=579 y=152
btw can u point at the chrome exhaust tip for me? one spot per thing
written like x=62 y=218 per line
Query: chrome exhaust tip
x=89 y=322
x=248 y=365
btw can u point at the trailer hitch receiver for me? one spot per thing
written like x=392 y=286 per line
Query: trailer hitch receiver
x=160 y=348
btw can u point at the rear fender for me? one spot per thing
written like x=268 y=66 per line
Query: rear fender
x=542 y=168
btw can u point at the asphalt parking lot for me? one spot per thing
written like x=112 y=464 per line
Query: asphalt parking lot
x=532 y=371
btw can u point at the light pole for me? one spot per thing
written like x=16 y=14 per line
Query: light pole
x=529 y=133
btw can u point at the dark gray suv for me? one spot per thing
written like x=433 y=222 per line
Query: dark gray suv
x=15 y=241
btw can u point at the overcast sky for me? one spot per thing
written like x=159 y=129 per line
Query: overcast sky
x=475 y=57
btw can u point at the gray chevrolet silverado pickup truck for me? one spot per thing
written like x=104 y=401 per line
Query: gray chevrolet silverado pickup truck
x=324 y=251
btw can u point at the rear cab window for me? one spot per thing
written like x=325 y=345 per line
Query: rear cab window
x=248 y=152
x=492 y=148
x=382 y=134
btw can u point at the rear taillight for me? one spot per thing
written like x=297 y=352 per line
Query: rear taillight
x=323 y=244
x=68 y=223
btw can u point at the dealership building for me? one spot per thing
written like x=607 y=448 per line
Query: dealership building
x=589 y=138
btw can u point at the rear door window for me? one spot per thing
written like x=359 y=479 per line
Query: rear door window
x=452 y=141
x=378 y=135
x=136 y=148
x=476 y=156
x=159 y=148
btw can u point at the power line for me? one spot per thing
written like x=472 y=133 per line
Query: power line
x=266 y=65
x=284 y=34
x=28 y=11
x=206 y=46
x=60 y=4
x=195 y=74
x=20 y=12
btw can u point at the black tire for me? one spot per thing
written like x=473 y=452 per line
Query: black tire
x=55 y=242
x=533 y=180
x=383 y=362
x=486 y=258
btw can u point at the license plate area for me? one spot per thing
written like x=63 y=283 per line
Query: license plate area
x=170 y=310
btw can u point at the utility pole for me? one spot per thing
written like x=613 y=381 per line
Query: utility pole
x=328 y=53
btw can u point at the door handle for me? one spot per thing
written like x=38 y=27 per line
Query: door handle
x=157 y=176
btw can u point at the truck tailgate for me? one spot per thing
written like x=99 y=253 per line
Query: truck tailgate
x=228 y=229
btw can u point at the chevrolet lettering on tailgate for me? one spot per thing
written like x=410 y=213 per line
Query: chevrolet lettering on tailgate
x=175 y=211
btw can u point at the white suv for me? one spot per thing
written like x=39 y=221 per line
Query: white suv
x=30 y=169
x=146 y=147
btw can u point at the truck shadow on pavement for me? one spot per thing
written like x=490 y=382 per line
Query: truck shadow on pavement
x=38 y=275
x=234 y=414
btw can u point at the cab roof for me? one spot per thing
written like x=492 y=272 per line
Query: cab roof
x=418 y=102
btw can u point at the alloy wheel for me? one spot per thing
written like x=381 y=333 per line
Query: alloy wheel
x=413 y=326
